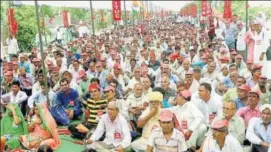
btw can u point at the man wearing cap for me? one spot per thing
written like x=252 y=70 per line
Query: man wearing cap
x=259 y=130
x=148 y=120
x=236 y=123
x=263 y=89
x=190 y=119
x=116 y=129
x=231 y=93
x=94 y=109
x=242 y=93
x=221 y=139
x=166 y=137
x=118 y=75
x=256 y=73
x=252 y=109
x=83 y=84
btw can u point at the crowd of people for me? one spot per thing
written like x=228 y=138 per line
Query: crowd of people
x=157 y=87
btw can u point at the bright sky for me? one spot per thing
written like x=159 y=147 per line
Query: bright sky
x=170 y=5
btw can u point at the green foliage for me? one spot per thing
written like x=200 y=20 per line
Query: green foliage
x=27 y=26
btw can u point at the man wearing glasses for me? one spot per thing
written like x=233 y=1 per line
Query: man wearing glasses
x=236 y=123
x=221 y=139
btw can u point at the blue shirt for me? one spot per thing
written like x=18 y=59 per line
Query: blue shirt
x=26 y=66
x=228 y=83
x=64 y=99
x=239 y=103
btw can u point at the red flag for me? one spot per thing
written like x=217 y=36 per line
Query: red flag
x=227 y=10
x=116 y=9
x=209 y=10
x=12 y=24
x=204 y=7
x=65 y=18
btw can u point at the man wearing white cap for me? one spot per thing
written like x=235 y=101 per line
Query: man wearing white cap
x=166 y=138
x=148 y=120
x=259 y=130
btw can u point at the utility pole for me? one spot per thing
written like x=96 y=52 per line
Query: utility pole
x=125 y=15
x=246 y=26
x=92 y=22
x=41 y=51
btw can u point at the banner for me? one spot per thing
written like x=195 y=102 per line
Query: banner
x=65 y=18
x=12 y=24
x=204 y=6
x=116 y=9
x=227 y=10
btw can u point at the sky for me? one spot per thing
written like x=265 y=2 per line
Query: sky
x=170 y=5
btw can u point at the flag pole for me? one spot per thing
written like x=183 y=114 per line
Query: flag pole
x=44 y=26
x=41 y=51
x=246 y=25
x=92 y=22
x=125 y=15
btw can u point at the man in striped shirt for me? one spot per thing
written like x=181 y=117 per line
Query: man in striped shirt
x=94 y=109
x=166 y=138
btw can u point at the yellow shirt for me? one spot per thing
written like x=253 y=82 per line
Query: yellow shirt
x=151 y=124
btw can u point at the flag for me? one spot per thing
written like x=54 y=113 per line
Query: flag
x=12 y=23
x=65 y=18
x=116 y=10
x=227 y=10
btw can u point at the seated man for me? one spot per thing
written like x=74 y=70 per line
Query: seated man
x=252 y=109
x=95 y=108
x=148 y=120
x=190 y=119
x=117 y=132
x=67 y=101
x=166 y=138
x=259 y=130
x=221 y=140
x=236 y=123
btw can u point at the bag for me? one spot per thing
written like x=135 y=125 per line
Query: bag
x=60 y=115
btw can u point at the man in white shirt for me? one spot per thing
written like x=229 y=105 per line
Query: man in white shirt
x=15 y=96
x=166 y=138
x=241 y=45
x=208 y=103
x=190 y=119
x=221 y=140
x=259 y=130
x=13 y=47
x=117 y=132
